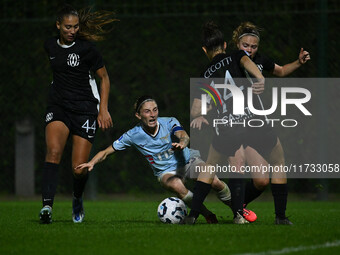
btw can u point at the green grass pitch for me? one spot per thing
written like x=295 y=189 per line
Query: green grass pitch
x=132 y=227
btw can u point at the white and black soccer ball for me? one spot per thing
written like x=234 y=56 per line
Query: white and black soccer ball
x=172 y=210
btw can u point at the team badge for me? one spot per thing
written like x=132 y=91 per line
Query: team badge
x=49 y=116
x=73 y=60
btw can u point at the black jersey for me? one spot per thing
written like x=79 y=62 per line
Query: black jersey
x=227 y=67
x=73 y=86
x=264 y=63
x=222 y=63
x=264 y=138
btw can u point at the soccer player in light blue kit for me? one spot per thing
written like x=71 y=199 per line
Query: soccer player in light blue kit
x=163 y=142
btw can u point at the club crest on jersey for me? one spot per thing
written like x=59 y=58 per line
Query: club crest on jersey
x=73 y=60
x=49 y=116
x=165 y=138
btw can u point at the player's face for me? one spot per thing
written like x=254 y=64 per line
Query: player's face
x=68 y=28
x=249 y=44
x=148 y=114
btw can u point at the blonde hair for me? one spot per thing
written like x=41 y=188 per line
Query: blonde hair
x=245 y=28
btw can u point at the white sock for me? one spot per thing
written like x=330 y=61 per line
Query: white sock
x=188 y=198
x=224 y=195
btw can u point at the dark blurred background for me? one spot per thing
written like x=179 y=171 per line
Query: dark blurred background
x=154 y=49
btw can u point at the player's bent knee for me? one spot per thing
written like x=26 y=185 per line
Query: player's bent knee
x=53 y=156
x=176 y=185
x=261 y=183
x=78 y=173
x=217 y=184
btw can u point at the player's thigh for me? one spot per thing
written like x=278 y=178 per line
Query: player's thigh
x=175 y=184
x=198 y=169
x=206 y=174
x=257 y=164
x=276 y=156
x=217 y=184
x=238 y=160
x=214 y=157
x=56 y=134
x=81 y=149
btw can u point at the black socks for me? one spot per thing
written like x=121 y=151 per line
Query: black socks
x=79 y=185
x=280 y=194
x=251 y=192
x=49 y=183
x=236 y=186
x=201 y=190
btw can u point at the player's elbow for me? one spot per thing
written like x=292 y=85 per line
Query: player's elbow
x=279 y=71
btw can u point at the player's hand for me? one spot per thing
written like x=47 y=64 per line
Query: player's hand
x=303 y=56
x=88 y=165
x=104 y=120
x=197 y=122
x=258 y=87
x=177 y=146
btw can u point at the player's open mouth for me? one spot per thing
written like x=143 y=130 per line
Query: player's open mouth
x=152 y=121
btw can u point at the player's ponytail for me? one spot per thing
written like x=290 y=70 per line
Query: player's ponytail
x=91 y=24
x=245 y=28
x=213 y=38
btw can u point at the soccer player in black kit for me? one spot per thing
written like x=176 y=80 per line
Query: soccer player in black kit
x=228 y=139
x=75 y=107
x=265 y=146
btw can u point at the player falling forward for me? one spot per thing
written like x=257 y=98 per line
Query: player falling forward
x=73 y=101
x=163 y=142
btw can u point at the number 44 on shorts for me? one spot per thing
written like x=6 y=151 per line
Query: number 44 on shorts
x=87 y=126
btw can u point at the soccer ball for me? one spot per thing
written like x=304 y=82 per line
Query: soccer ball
x=171 y=210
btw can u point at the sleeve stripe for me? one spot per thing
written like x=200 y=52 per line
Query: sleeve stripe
x=177 y=128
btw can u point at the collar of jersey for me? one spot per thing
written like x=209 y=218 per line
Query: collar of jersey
x=153 y=136
x=64 y=45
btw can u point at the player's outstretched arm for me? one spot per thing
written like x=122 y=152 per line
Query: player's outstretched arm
x=287 y=69
x=249 y=65
x=183 y=140
x=99 y=157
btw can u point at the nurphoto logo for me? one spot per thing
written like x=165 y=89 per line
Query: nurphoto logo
x=244 y=114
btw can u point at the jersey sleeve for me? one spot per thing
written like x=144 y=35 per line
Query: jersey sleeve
x=268 y=64
x=174 y=125
x=122 y=142
x=237 y=55
x=96 y=59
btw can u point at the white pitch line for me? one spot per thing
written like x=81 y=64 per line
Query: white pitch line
x=296 y=249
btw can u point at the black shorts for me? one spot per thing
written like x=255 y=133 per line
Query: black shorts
x=229 y=140
x=262 y=139
x=81 y=125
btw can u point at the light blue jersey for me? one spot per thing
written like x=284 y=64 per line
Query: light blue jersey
x=156 y=149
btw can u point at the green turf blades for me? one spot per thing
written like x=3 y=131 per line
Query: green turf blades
x=132 y=227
